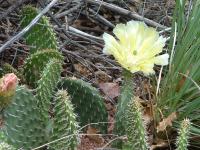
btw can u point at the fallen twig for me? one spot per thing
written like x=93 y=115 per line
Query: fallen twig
x=101 y=19
x=72 y=29
x=29 y=26
x=125 y=12
x=68 y=11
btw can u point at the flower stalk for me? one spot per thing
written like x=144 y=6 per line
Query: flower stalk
x=126 y=95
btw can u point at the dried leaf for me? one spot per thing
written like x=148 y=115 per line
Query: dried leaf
x=181 y=82
x=102 y=76
x=82 y=69
x=111 y=125
x=166 y=122
x=97 y=138
x=109 y=107
x=160 y=143
x=110 y=89
x=147 y=116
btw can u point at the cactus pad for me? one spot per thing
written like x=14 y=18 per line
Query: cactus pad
x=64 y=122
x=183 y=137
x=125 y=97
x=23 y=125
x=41 y=36
x=46 y=86
x=87 y=101
x=134 y=126
x=35 y=64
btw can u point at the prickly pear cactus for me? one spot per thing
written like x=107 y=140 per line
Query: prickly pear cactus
x=87 y=101
x=23 y=125
x=135 y=127
x=28 y=122
x=64 y=122
x=46 y=86
x=41 y=36
x=44 y=45
x=35 y=64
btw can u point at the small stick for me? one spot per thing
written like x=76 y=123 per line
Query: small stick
x=72 y=29
x=68 y=11
x=126 y=13
x=101 y=19
x=73 y=33
x=29 y=26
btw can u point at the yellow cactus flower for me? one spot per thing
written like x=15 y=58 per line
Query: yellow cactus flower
x=137 y=47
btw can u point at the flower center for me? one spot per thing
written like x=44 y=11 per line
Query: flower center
x=134 y=52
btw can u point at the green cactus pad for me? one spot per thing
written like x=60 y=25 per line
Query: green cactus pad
x=183 y=137
x=134 y=126
x=64 y=122
x=47 y=84
x=23 y=125
x=87 y=101
x=35 y=64
x=42 y=35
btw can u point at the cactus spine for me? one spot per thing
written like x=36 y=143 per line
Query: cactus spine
x=135 y=127
x=183 y=136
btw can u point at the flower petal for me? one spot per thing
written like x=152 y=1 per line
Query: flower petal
x=151 y=36
x=162 y=60
x=147 y=68
x=110 y=44
x=120 y=33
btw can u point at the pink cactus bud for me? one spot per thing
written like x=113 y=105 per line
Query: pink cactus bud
x=8 y=84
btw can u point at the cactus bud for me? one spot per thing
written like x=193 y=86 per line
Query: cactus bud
x=8 y=85
x=135 y=126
